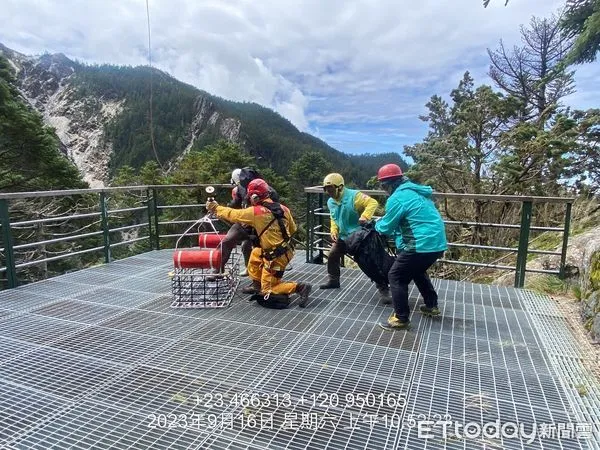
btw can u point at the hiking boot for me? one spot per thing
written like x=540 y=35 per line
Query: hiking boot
x=253 y=288
x=332 y=283
x=384 y=294
x=426 y=311
x=393 y=323
x=303 y=290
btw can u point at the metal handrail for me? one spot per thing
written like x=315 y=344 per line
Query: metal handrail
x=318 y=213
x=70 y=192
x=316 y=228
x=149 y=197
x=488 y=197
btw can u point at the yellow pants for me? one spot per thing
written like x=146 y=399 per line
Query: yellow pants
x=269 y=273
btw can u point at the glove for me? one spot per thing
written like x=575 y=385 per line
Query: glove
x=211 y=206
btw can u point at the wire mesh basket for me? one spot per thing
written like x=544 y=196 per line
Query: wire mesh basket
x=196 y=280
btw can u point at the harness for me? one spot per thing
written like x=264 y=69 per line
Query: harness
x=281 y=249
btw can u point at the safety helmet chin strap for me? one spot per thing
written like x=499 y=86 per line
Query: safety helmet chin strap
x=338 y=191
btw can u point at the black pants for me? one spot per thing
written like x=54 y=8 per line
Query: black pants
x=236 y=235
x=412 y=267
x=334 y=261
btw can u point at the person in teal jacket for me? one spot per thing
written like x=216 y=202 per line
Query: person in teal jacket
x=420 y=235
x=348 y=209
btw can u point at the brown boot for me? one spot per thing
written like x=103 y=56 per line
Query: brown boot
x=303 y=290
x=253 y=288
x=332 y=283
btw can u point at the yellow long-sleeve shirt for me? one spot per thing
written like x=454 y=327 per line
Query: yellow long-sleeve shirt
x=259 y=217
x=363 y=204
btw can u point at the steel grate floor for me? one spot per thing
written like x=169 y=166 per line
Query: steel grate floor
x=98 y=359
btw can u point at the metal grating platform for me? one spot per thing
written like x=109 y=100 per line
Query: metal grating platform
x=98 y=359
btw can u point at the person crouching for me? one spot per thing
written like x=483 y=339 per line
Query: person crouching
x=274 y=226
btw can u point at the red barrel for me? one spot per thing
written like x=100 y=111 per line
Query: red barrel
x=197 y=259
x=210 y=240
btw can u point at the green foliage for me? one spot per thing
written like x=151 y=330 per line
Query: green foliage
x=173 y=109
x=29 y=151
x=462 y=145
x=582 y=22
x=547 y=284
x=595 y=272
x=187 y=118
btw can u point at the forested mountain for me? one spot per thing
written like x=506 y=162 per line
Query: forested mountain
x=30 y=157
x=103 y=119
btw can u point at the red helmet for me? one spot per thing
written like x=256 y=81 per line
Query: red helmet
x=389 y=172
x=258 y=187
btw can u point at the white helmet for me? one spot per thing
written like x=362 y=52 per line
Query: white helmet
x=235 y=176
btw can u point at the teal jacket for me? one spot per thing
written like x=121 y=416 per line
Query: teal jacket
x=344 y=214
x=411 y=216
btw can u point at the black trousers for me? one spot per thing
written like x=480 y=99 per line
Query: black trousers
x=412 y=267
x=236 y=235
x=334 y=261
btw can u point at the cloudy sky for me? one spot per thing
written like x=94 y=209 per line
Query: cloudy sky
x=356 y=73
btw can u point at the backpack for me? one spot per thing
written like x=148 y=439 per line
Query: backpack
x=370 y=251
x=273 y=301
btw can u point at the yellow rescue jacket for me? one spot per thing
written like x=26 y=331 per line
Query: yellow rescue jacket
x=258 y=217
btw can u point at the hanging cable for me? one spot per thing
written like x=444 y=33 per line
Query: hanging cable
x=151 y=89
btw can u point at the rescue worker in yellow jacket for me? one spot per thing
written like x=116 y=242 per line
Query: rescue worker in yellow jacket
x=349 y=209
x=274 y=226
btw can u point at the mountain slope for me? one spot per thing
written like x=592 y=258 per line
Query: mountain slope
x=30 y=156
x=101 y=115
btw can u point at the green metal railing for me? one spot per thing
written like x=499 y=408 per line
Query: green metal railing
x=317 y=230
x=154 y=225
x=148 y=196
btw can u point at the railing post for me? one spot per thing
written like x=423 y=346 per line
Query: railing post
x=105 y=227
x=523 y=244
x=150 y=215
x=11 y=271
x=155 y=206
x=321 y=225
x=308 y=232
x=563 y=255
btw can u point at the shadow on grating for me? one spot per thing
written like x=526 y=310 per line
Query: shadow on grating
x=111 y=345
x=22 y=408
x=506 y=384
x=240 y=335
x=77 y=311
x=220 y=363
x=114 y=297
x=517 y=355
x=146 y=390
x=37 y=329
x=98 y=426
x=11 y=348
x=60 y=373
x=16 y=300
x=332 y=353
x=153 y=324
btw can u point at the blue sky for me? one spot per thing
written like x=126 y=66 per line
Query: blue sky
x=356 y=73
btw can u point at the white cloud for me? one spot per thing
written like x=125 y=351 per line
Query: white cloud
x=316 y=62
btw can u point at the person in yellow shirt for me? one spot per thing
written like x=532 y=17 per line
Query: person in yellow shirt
x=349 y=209
x=274 y=226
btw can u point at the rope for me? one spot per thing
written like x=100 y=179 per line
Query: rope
x=151 y=124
